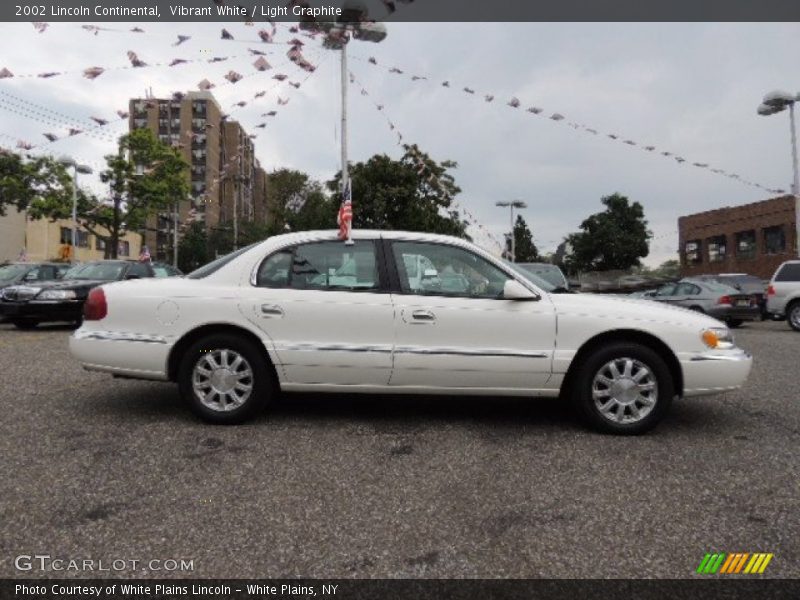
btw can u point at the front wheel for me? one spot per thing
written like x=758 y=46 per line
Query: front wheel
x=225 y=378
x=623 y=388
x=733 y=323
x=25 y=324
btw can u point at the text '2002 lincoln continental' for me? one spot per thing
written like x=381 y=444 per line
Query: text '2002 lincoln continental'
x=397 y=312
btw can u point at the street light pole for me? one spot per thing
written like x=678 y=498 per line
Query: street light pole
x=512 y=205
x=773 y=103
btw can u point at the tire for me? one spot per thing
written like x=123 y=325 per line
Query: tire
x=697 y=309
x=225 y=387
x=630 y=401
x=793 y=315
x=733 y=323
x=25 y=324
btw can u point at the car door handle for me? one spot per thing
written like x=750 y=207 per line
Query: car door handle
x=271 y=310
x=424 y=316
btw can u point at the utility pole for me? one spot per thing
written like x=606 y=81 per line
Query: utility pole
x=512 y=205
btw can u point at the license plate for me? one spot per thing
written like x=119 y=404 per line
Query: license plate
x=742 y=303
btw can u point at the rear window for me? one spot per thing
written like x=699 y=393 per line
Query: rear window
x=789 y=272
x=216 y=265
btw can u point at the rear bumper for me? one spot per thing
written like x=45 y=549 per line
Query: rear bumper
x=139 y=356
x=41 y=311
x=715 y=371
x=743 y=313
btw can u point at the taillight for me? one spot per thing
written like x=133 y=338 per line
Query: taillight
x=95 y=307
x=771 y=290
x=724 y=300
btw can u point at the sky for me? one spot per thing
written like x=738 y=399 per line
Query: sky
x=690 y=89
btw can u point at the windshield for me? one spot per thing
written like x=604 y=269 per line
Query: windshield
x=535 y=278
x=101 y=271
x=11 y=272
x=550 y=273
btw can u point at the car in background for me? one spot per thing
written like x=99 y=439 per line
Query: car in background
x=24 y=272
x=748 y=284
x=645 y=294
x=783 y=294
x=549 y=272
x=399 y=312
x=714 y=299
x=33 y=302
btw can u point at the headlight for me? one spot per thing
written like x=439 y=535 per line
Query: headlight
x=56 y=295
x=718 y=338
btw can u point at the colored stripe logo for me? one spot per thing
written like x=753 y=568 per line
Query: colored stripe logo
x=734 y=563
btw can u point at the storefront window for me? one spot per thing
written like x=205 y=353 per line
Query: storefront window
x=774 y=240
x=746 y=244
x=692 y=252
x=717 y=247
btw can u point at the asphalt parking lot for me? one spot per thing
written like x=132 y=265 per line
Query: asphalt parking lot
x=343 y=486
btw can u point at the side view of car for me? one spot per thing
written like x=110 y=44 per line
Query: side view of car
x=307 y=312
x=35 y=301
x=715 y=299
x=783 y=293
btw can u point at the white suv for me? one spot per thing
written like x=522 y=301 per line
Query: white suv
x=783 y=294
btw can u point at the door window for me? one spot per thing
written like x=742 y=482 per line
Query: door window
x=322 y=266
x=443 y=270
x=687 y=289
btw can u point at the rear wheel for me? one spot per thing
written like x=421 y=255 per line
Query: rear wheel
x=225 y=378
x=624 y=388
x=793 y=315
x=696 y=309
x=25 y=324
x=733 y=323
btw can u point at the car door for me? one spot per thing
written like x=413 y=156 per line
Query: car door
x=328 y=311
x=453 y=329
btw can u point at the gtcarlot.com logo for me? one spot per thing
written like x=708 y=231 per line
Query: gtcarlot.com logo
x=735 y=563
x=46 y=562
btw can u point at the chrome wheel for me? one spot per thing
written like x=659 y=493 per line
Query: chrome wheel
x=624 y=390
x=794 y=316
x=222 y=380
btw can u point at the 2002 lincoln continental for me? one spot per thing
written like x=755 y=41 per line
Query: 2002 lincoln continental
x=398 y=312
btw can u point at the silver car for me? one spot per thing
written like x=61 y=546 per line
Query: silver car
x=783 y=293
x=715 y=299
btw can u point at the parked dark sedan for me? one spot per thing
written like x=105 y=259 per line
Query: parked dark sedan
x=24 y=272
x=35 y=302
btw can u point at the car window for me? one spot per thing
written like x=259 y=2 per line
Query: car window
x=274 y=271
x=789 y=272
x=440 y=269
x=33 y=275
x=105 y=271
x=334 y=266
x=687 y=289
x=666 y=290
x=162 y=270
x=138 y=270
x=217 y=264
x=550 y=273
x=11 y=272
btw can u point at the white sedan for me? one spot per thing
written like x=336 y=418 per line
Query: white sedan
x=398 y=312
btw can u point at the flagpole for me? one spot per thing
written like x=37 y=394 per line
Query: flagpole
x=345 y=174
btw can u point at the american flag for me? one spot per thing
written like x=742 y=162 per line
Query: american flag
x=345 y=217
x=144 y=255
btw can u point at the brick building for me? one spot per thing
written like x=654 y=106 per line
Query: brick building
x=223 y=170
x=752 y=238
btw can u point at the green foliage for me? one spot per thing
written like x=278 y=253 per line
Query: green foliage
x=39 y=179
x=193 y=248
x=144 y=178
x=409 y=194
x=286 y=190
x=616 y=238
x=524 y=248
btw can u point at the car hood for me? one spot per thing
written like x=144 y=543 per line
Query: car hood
x=76 y=285
x=639 y=309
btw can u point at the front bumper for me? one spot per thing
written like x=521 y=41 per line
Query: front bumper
x=714 y=371
x=41 y=311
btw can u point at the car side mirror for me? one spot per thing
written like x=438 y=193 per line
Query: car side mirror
x=514 y=290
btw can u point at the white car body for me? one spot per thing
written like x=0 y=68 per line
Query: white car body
x=334 y=341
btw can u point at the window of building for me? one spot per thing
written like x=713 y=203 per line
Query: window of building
x=692 y=252
x=774 y=239
x=99 y=244
x=82 y=239
x=717 y=247
x=124 y=248
x=746 y=244
x=66 y=235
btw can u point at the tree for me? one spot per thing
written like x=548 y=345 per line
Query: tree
x=414 y=193
x=193 y=248
x=145 y=177
x=39 y=179
x=616 y=238
x=298 y=202
x=524 y=248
